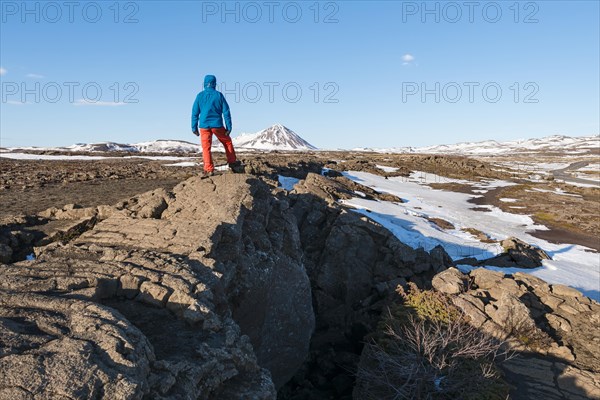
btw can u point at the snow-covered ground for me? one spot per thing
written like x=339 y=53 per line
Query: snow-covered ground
x=426 y=178
x=287 y=182
x=385 y=168
x=51 y=157
x=538 y=171
x=591 y=167
x=183 y=164
x=26 y=156
x=595 y=176
x=540 y=167
x=570 y=265
x=580 y=184
x=155 y=146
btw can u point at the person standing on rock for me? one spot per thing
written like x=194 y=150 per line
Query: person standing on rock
x=208 y=111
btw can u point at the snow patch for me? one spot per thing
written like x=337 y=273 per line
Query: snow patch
x=183 y=164
x=287 y=182
x=591 y=167
x=385 y=168
x=26 y=156
x=571 y=264
x=52 y=157
x=427 y=178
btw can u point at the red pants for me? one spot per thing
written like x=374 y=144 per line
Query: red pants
x=206 y=139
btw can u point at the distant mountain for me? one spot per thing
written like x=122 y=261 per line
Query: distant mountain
x=280 y=138
x=97 y=147
x=156 y=146
x=276 y=137
x=555 y=143
x=168 y=146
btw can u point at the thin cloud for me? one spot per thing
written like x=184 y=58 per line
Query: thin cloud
x=35 y=76
x=408 y=59
x=82 y=102
x=3 y=71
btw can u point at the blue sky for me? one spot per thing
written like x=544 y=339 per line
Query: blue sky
x=370 y=73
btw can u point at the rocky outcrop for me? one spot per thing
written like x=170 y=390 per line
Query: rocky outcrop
x=231 y=267
x=89 y=322
x=516 y=254
x=228 y=288
x=196 y=293
x=450 y=281
x=235 y=224
x=552 y=328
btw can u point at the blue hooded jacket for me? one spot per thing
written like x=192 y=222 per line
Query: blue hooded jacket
x=210 y=104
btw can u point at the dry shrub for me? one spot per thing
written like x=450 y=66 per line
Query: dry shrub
x=426 y=349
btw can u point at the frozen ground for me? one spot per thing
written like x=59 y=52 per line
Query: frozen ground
x=591 y=167
x=570 y=265
x=287 y=182
x=386 y=168
x=26 y=156
x=580 y=184
x=50 y=157
x=183 y=164
x=540 y=167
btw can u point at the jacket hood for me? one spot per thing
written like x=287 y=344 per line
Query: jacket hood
x=210 y=81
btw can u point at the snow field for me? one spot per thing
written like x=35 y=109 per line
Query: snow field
x=571 y=264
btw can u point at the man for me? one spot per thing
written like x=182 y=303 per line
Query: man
x=209 y=108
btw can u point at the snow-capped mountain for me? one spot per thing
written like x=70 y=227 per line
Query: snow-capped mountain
x=276 y=137
x=155 y=146
x=168 y=146
x=97 y=147
x=555 y=143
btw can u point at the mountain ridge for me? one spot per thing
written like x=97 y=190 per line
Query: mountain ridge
x=573 y=144
x=280 y=138
x=274 y=138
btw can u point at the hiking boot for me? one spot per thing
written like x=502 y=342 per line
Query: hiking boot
x=207 y=174
x=236 y=166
